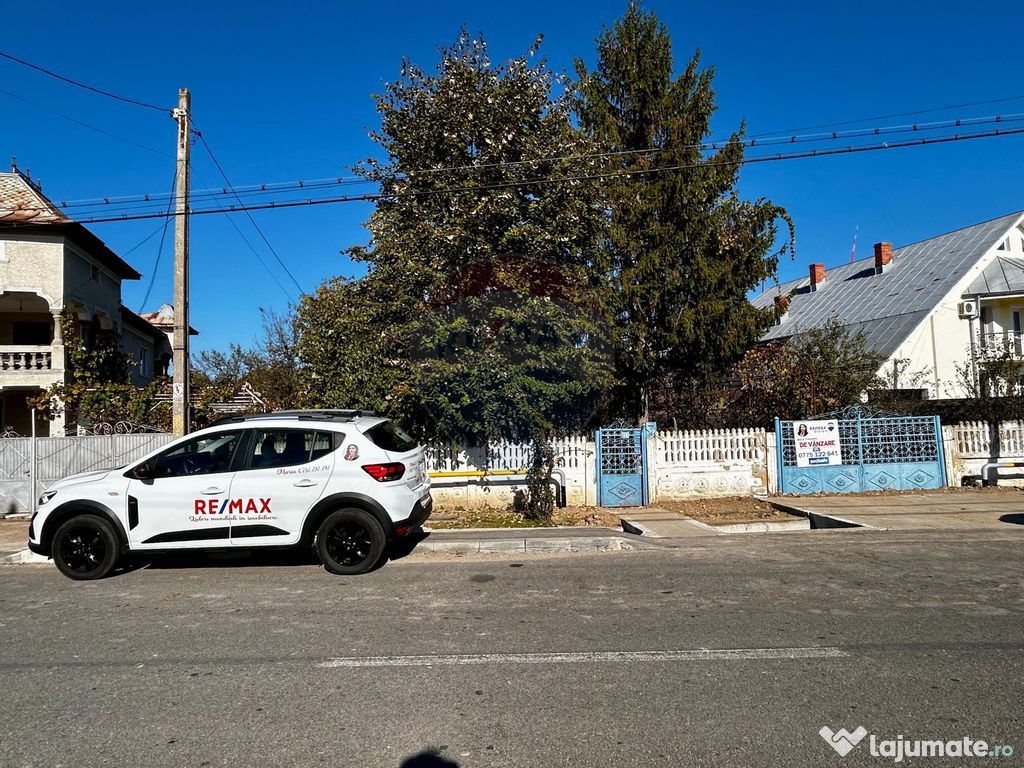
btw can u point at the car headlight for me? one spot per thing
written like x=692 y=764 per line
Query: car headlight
x=46 y=497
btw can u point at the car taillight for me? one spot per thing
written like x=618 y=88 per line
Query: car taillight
x=384 y=473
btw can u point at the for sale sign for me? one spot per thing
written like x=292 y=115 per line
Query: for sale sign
x=817 y=443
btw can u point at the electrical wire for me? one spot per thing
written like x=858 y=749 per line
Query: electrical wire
x=160 y=249
x=252 y=248
x=143 y=241
x=563 y=179
x=83 y=85
x=891 y=116
x=227 y=181
x=84 y=124
x=305 y=186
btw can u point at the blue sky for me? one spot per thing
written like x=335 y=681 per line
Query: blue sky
x=287 y=95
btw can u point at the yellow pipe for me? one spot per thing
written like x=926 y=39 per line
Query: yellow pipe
x=480 y=473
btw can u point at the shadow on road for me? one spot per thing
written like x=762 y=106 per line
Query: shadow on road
x=429 y=759
x=1017 y=518
x=255 y=558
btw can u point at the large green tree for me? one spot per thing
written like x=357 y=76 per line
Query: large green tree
x=480 y=309
x=682 y=249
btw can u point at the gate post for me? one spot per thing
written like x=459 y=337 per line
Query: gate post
x=650 y=458
x=940 y=447
x=32 y=481
x=860 y=455
x=781 y=483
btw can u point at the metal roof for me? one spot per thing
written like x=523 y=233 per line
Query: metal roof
x=886 y=307
x=1005 y=274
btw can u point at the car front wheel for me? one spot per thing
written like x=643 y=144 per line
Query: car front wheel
x=350 y=541
x=85 y=547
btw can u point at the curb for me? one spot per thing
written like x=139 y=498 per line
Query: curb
x=819 y=520
x=537 y=545
x=804 y=524
x=23 y=557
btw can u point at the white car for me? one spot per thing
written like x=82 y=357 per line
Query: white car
x=345 y=482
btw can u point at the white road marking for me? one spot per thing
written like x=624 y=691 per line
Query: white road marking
x=589 y=657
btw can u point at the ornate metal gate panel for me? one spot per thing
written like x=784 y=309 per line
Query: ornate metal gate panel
x=622 y=467
x=878 y=452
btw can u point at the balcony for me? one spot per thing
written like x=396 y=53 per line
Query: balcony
x=25 y=358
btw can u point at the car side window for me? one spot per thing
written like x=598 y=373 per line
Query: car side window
x=288 y=447
x=204 y=455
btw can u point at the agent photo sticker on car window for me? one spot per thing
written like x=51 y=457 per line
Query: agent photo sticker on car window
x=351 y=452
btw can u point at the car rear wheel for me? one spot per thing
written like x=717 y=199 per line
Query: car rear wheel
x=350 y=541
x=85 y=547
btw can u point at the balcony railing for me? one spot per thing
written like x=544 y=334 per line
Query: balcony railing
x=25 y=358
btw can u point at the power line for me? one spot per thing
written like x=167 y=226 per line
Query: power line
x=83 y=85
x=890 y=116
x=227 y=181
x=84 y=124
x=142 y=242
x=301 y=186
x=562 y=179
x=252 y=248
x=160 y=248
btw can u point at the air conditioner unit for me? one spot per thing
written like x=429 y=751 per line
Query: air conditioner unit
x=967 y=309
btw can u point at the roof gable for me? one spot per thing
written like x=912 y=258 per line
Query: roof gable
x=21 y=200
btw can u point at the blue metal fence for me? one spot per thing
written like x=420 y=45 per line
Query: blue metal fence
x=879 y=452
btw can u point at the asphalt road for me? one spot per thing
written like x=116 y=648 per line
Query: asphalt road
x=282 y=664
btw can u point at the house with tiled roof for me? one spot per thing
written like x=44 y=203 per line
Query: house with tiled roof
x=51 y=265
x=933 y=309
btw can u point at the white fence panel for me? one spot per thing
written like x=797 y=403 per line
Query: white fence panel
x=709 y=463
x=58 y=457
x=973 y=443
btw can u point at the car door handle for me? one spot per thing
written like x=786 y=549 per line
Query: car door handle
x=306 y=483
x=211 y=491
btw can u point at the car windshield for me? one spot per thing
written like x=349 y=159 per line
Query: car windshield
x=391 y=437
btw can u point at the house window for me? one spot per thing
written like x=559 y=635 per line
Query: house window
x=94 y=275
x=143 y=361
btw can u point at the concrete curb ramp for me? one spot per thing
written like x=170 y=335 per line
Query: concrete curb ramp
x=535 y=541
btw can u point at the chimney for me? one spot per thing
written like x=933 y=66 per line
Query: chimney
x=883 y=255
x=817 y=272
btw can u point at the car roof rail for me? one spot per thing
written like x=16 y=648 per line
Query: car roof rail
x=310 y=414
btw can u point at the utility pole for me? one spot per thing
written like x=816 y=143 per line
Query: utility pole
x=181 y=396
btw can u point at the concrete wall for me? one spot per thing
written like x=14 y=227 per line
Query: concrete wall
x=99 y=292
x=33 y=264
x=133 y=343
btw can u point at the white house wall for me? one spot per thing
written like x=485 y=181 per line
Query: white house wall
x=33 y=265
x=942 y=341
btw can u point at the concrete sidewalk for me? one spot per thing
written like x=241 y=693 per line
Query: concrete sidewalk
x=13 y=540
x=915 y=512
x=663 y=524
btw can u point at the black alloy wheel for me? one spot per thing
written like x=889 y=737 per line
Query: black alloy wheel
x=85 y=547
x=350 y=541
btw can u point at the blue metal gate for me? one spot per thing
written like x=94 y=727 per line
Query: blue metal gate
x=622 y=466
x=878 y=452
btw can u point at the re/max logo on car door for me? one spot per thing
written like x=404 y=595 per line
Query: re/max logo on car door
x=232 y=507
